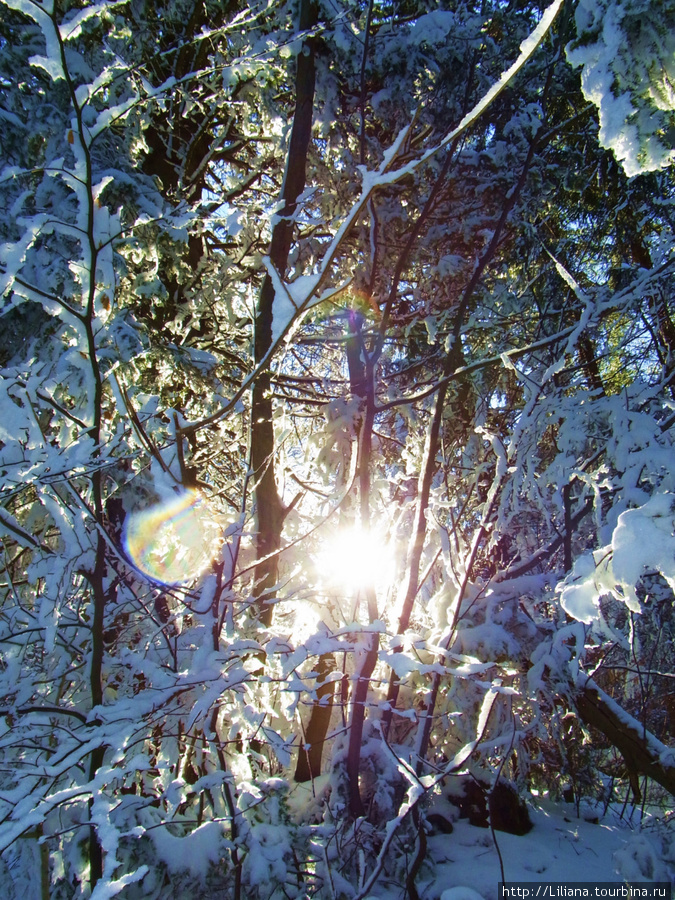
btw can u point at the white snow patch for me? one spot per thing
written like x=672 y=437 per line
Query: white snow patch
x=432 y=28
x=461 y=893
x=191 y=852
x=644 y=538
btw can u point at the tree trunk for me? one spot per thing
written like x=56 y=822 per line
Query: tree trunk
x=309 y=756
x=361 y=381
x=642 y=752
x=268 y=505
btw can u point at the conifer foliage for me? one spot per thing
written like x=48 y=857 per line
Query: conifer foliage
x=336 y=430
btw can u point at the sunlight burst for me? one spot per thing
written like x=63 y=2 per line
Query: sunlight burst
x=354 y=558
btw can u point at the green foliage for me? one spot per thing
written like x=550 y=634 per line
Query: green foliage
x=627 y=52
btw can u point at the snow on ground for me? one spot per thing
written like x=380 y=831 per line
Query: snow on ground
x=560 y=848
x=594 y=846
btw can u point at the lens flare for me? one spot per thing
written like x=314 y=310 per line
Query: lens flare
x=173 y=541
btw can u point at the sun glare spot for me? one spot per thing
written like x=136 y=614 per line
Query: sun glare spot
x=173 y=541
x=354 y=558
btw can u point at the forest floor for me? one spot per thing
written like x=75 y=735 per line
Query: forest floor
x=565 y=846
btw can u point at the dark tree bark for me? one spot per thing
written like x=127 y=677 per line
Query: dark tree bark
x=309 y=756
x=102 y=598
x=569 y=528
x=268 y=505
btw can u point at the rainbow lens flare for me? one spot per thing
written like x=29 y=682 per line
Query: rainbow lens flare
x=173 y=541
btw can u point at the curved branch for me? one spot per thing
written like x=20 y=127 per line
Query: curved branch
x=52 y=711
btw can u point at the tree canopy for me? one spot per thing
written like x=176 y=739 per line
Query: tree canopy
x=336 y=428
